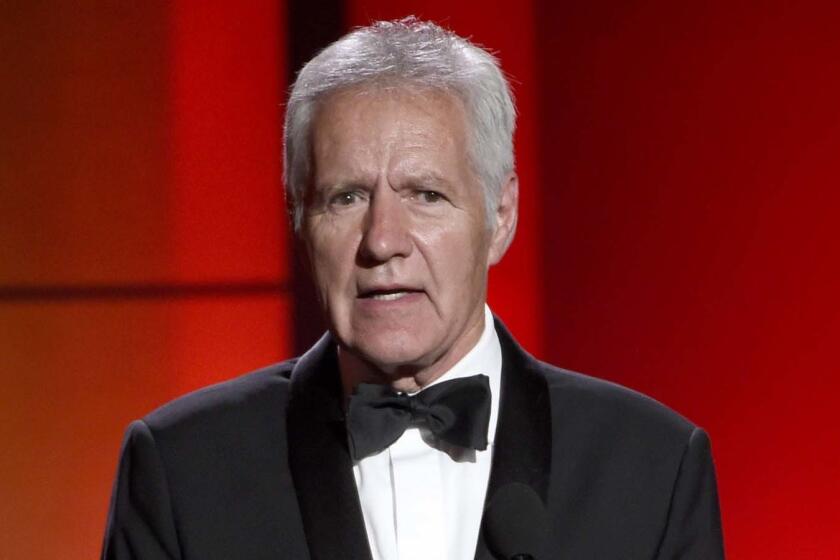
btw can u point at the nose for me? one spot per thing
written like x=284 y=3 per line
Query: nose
x=386 y=234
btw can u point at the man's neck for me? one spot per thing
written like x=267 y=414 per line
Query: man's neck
x=404 y=378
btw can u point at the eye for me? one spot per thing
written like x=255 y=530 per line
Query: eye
x=429 y=197
x=346 y=198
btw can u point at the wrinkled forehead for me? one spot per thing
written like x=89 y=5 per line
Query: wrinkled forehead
x=424 y=128
x=395 y=92
x=400 y=87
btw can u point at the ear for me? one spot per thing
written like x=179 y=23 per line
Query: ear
x=507 y=213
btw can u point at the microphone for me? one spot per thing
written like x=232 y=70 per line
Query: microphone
x=516 y=523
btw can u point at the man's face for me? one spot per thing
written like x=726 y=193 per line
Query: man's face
x=395 y=229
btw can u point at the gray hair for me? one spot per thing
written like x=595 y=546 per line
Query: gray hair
x=410 y=53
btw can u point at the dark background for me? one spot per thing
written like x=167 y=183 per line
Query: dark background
x=679 y=171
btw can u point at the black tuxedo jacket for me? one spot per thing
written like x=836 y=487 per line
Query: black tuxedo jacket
x=258 y=468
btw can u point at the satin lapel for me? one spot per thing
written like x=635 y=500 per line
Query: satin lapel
x=319 y=460
x=522 y=447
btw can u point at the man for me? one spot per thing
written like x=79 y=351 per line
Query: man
x=388 y=438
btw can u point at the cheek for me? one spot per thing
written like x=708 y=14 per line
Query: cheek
x=457 y=256
x=334 y=264
x=332 y=268
x=329 y=258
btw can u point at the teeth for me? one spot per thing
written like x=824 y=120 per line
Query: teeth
x=389 y=297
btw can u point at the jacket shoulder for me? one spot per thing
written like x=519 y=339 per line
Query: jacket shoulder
x=260 y=390
x=578 y=400
x=612 y=408
x=634 y=470
x=211 y=468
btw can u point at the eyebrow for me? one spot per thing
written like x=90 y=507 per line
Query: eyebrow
x=428 y=179
x=338 y=186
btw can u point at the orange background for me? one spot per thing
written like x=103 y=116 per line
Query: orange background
x=680 y=176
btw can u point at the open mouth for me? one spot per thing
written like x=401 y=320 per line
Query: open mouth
x=387 y=295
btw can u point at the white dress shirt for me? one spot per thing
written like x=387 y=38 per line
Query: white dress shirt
x=422 y=499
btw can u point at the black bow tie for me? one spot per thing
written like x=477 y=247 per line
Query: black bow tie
x=456 y=411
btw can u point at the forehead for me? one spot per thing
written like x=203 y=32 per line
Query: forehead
x=354 y=121
x=403 y=95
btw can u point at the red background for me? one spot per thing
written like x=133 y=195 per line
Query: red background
x=678 y=235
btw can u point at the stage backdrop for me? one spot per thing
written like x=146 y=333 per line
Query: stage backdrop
x=678 y=233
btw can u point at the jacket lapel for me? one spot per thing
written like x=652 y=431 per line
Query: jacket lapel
x=323 y=470
x=319 y=460
x=522 y=447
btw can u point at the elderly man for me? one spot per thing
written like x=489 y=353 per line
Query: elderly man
x=416 y=428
